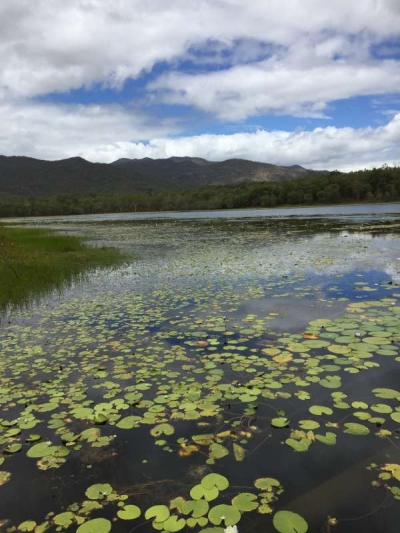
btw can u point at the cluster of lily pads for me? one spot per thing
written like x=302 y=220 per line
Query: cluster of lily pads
x=196 y=511
x=203 y=376
x=389 y=478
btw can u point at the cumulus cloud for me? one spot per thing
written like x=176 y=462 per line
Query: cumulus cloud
x=276 y=86
x=322 y=148
x=107 y=133
x=58 y=45
x=49 y=131
x=228 y=58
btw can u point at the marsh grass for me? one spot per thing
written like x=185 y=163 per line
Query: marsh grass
x=33 y=262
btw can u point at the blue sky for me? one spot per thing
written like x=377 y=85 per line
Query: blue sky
x=286 y=82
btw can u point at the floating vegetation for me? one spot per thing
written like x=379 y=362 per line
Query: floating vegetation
x=193 y=404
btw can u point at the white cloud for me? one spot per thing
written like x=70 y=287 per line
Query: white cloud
x=48 y=131
x=276 y=86
x=322 y=148
x=107 y=133
x=56 y=46
x=292 y=57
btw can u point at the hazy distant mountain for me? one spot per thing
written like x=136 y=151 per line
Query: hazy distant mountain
x=193 y=172
x=24 y=176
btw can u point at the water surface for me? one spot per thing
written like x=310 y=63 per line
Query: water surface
x=214 y=330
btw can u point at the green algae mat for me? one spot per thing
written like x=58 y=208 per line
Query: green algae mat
x=236 y=376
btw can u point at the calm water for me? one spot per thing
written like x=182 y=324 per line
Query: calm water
x=359 y=211
x=220 y=323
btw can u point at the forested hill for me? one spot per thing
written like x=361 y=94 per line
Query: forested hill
x=24 y=176
x=377 y=185
x=193 y=172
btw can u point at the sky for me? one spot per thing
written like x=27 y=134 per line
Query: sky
x=306 y=82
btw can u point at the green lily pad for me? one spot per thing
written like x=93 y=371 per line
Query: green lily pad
x=214 y=480
x=129 y=422
x=160 y=513
x=308 y=424
x=64 y=519
x=224 y=513
x=43 y=449
x=162 y=429
x=27 y=526
x=320 y=410
x=13 y=448
x=280 y=422
x=245 y=501
x=356 y=429
x=173 y=524
x=129 y=512
x=98 y=491
x=201 y=521
x=387 y=394
x=265 y=483
x=100 y=418
x=4 y=477
x=288 y=522
x=359 y=405
x=395 y=416
x=97 y=525
x=301 y=445
x=331 y=382
x=198 y=491
x=381 y=408
x=329 y=438
x=196 y=508
x=217 y=451
x=238 y=451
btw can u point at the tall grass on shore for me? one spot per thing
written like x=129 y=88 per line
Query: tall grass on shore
x=33 y=262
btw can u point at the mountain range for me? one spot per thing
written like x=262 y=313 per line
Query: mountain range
x=24 y=176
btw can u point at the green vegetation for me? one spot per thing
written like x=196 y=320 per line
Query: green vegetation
x=376 y=185
x=34 y=261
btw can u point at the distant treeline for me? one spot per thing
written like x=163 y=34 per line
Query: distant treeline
x=376 y=185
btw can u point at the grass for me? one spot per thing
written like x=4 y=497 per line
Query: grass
x=33 y=262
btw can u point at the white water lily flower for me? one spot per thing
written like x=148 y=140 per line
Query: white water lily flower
x=231 y=529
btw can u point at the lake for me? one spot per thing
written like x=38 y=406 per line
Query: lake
x=241 y=368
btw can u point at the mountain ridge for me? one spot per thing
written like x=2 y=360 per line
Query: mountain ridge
x=27 y=176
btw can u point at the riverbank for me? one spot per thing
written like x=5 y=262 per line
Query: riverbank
x=35 y=261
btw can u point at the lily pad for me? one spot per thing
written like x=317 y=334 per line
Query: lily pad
x=224 y=513
x=196 y=508
x=215 y=480
x=280 y=422
x=97 y=525
x=308 y=424
x=64 y=519
x=129 y=512
x=162 y=429
x=160 y=513
x=265 y=483
x=356 y=429
x=27 y=526
x=245 y=501
x=329 y=438
x=43 y=449
x=301 y=445
x=395 y=416
x=173 y=524
x=98 y=491
x=288 y=522
x=388 y=394
x=4 y=477
x=320 y=410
